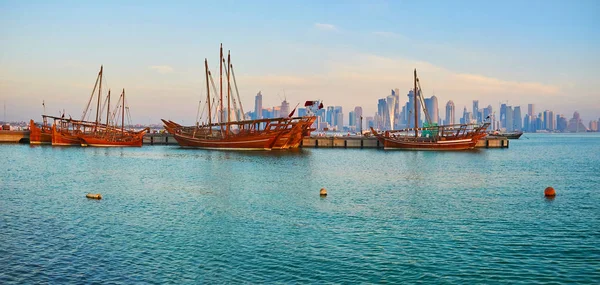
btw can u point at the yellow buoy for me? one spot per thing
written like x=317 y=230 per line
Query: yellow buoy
x=549 y=192
x=94 y=196
x=323 y=192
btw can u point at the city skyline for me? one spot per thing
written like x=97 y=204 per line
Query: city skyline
x=346 y=55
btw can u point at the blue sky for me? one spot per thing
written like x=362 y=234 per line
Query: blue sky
x=346 y=53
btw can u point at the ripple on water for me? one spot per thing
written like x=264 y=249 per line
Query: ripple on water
x=172 y=215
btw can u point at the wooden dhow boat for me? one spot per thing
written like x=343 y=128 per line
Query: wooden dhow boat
x=41 y=134
x=431 y=136
x=226 y=133
x=84 y=132
x=109 y=135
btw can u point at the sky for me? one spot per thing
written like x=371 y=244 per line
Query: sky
x=346 y=53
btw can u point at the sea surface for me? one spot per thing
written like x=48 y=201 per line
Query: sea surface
x=172 y=215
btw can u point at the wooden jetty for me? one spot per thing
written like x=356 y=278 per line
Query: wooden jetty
x=329 y=142
x=307 y=142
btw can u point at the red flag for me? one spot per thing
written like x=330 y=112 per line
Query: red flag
x=308 y=103
x=292 y=113
x=320 y=106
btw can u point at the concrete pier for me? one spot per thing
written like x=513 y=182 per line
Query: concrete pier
x=14 y=136
x=372 y=142
x=159 y=139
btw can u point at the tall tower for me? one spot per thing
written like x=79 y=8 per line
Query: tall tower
x=476 y=110
x=517 y=119
x=258 y=106
x=285 y=109
x=358 y=114
x=450 y=113
x=530 y=110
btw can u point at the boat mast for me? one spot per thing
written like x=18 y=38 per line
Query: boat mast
x=123 y=114
x=208 y=93
x=221 y=118
x=415 y=106
x=99 y=93
x=108 y=109
x=228 y=93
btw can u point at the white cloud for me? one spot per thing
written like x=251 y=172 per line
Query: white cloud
x=387 y=34
x=325 y=27
x=163 y=69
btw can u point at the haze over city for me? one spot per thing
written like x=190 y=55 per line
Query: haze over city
x=346 y=53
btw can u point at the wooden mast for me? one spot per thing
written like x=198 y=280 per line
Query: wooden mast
x=228 y=93
x=108 y=109
x=208 y=94
x=99 y=93
x=123 y=114
x=415 y=107
x=221 y=118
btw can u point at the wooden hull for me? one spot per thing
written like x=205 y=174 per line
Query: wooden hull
x=511 y=136
x=64 y=138
x=461 y=141
x=39 y=135
x=460 y=144
x=281 y=134
x=257 y=142
x=117 y=140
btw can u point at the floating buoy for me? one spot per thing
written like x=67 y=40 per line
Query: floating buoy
x=94 y=196
x=323 y=192
x=549 y=192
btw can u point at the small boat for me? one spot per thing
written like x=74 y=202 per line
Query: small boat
x=431 y=136
x=40 y=134
x=239 y=134
x=110 y=136
x=509 y=135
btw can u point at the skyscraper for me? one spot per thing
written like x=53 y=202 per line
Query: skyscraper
x=531 y=110
x=502 y=116
x=450 y=113
x=410 y=111
x=476 y=111
x=339 y=118
x=381 y=113
x=517 y=119
x=258 y=106
x=509 y=119
x=431 y=105
x=358 y=112
x=389 y=116
x=285 y=109
x=330 y=116
x=352 y=120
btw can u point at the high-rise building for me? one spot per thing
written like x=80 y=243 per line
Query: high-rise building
x=431 y=105
x=285 y=109
x=352 y=120
x=488 y=114
x=502 y=116
x=358 y=112
x=509 y=120
x=330 y=116
x=301 y=112
x=389 y=115
x=410 y=111
x=517 y=119
x=531 y=110
x=381 y=113
x=338 y=118
x=450 y=113
x=397 y=109
x=258 y=106
x=526 y=123
x=476 y=111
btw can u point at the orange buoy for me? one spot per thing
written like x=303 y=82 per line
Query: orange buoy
x=549 y=192
x=323 y=192
x=94 y=196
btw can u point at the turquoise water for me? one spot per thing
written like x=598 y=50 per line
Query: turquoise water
x=172 y=215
